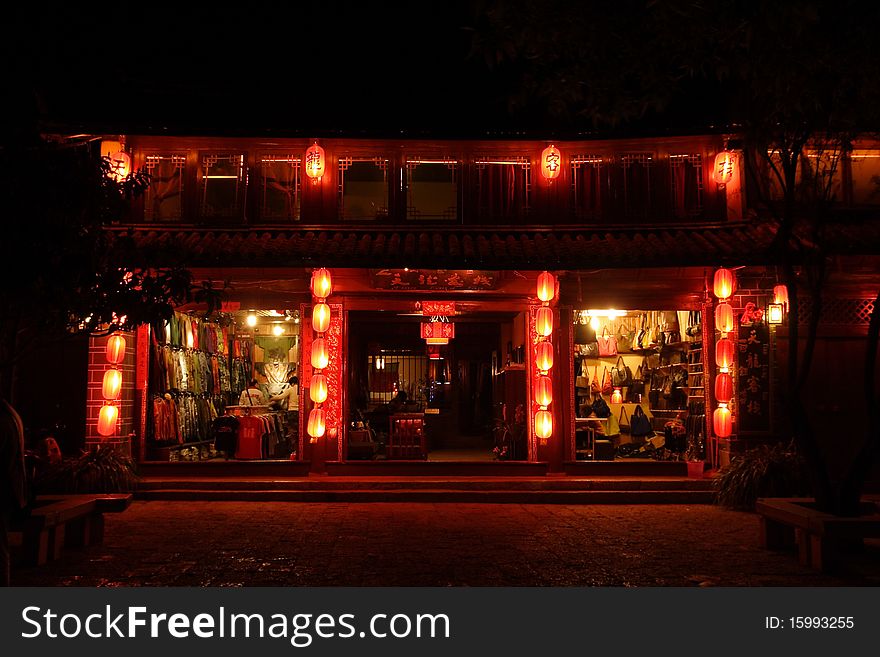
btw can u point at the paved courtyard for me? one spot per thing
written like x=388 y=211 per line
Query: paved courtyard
x=410 y=544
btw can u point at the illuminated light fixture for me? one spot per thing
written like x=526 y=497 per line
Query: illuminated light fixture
x=379 y=362
x=318 y=388
x=251 y=319
x=115 y=349
x=544 y=356
x=321 y=317
x=723 y=387
x=317 y=424
x=546 y=287
x=543 y=424
x=725 y=352
x=595 y=323
x=551 y=162
x=616 y=396
x=725 y=166
x=107 y=420
x=722 y=422
x=278 y=330
x=724 y=283
x=544 y=322
x=437 y=332
x=774 y=313
x=320 y=356
x=724 y=317
x=120 y=166
x=543 y=391
x=112 y=384
x=315 y=162
x=322 y=283
x=780 y=296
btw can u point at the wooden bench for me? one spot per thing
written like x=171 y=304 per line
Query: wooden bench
x=820 y=537
x=59 y=521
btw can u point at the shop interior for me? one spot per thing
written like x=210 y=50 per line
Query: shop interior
x=441 y=402
x=639 y=384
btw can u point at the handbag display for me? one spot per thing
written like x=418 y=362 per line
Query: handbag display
x=621 y=374
x=640 y=424
x=623 y=420
x=607 y=388
x=600 y=407
x=595 y=386
x=582 y=380
x=584 y=334
x=607 y=344
x=590 y=350
x=625 y=340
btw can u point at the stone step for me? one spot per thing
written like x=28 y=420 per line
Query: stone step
x=433 y=496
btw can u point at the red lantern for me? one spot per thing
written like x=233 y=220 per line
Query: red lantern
x=320 y=356
x=725 y=352
x=544 y=356
x=437 y=332
x=543 y=424
x=722 y=422
x=546 y=286
x=725 y=283
x=321 y=317
x=120 y=166
x=107 y=420
x=551 y=162
x=780 y=295
x=543 y=391
x=544 y=322
x=725 y=166
x=112 y=384
x=317 y=424
x=315 y=162
x=318 y=388
x=723 y=387
x=724 y=317
x=322 y=283
x=115 y=349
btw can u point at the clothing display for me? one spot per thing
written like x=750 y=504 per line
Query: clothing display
x=184 y=417
x=260 y=436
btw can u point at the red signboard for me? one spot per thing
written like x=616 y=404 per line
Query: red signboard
x=438 y=308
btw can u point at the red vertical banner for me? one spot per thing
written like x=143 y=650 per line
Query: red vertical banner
x=531 y=370
x=142 y=364
x=333 y=372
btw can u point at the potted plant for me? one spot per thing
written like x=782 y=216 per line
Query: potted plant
x=765 y=471
x=97 y=470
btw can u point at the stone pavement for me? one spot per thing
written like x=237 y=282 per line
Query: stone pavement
x=413 y=544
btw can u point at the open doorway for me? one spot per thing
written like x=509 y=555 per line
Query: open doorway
x=449 y=400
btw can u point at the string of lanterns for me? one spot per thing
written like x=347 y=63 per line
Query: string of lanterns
x=543 y=384
x=322 y=287
x=111 y=386
x=725 y=352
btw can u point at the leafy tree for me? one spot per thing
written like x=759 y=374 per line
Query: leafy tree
x=797 y=81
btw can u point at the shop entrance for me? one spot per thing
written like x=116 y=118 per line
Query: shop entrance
x=413 y=401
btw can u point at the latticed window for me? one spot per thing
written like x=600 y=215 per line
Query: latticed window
x=686 y=176
x=504 y=187
x=363 y=188
x=222 y=178
x=837 y=311
x=589 y=186
x=163 y=200
x=432 y=189
x=280 y=190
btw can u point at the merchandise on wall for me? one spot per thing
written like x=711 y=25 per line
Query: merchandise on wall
x=637 y=381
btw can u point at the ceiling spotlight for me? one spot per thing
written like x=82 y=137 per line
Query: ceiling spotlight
x=278 y=329
x=252 y=318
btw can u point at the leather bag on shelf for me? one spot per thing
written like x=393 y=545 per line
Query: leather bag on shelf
x=607 y=344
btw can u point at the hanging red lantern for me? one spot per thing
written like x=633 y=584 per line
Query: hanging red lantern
x=551 y=162
x=724 y=317
x=112 y=384
x=725 y=352
x=107 y=419
x=318 y=388
x=437 y=332
x=725 y=283
x=322 y=283
x=115 y=349
x=544 y=356
x=722 y=422
x=120 y=166
x=317 y=424
x=725 y=166
x=723 y=387
x=546 y=286
x=321 y=317
x=315 y=162
x=543 y=391
x=320 y=355
x=544 y=322
x=780 y=295
x=543 y=424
